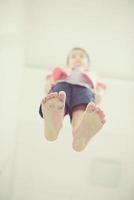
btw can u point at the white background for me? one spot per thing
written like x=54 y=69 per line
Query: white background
x=34 y=37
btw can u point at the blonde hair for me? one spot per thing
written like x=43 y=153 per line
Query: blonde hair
x=81 y=49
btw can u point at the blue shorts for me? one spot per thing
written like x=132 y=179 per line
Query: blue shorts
x=75 y=95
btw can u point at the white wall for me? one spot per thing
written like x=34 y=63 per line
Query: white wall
x=52 y=170
x=104 y=28
x=35 y=36
x=11 y=61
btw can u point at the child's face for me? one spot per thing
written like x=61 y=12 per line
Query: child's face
x=77 y=58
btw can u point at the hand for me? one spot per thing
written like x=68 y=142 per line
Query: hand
x=59 y=73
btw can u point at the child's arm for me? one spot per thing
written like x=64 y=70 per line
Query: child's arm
x=99 y=90
x=99 y=86
x=57 y=74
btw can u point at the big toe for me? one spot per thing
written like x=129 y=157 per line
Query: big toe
x=90 y=107
x=62 y=95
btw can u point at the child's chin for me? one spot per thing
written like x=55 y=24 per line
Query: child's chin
x=77 y=66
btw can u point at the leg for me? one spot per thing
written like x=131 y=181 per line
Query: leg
x=77 y=114
x=53 y=107
x=85 y=124
x=86 y=121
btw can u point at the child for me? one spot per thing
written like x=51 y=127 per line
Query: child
x=74 y=91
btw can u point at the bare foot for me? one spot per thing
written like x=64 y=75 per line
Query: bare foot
x=92 y=121
x=53 y=112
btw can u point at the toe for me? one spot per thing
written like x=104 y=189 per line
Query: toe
x=100 y=114
x=91 y=107
x=52 y=95
x=44 y=100
x=103 y=121
x=62 y=95
x=48 y=96
x=99 y=111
